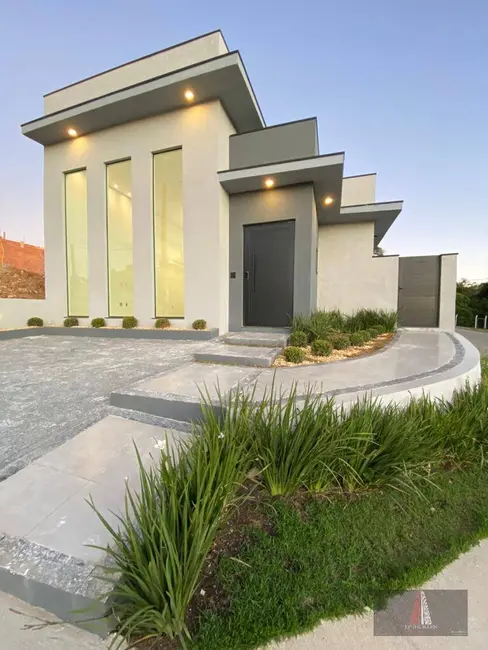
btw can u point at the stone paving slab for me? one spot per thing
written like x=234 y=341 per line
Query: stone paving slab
x=238 y=355
x=47 y=526
x=53 y=387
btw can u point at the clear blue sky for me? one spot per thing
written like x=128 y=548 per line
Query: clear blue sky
x=400 y=85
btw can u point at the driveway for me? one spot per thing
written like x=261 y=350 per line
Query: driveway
x=479 y=338
x=53 y=387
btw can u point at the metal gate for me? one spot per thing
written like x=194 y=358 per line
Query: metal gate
x=418 y=291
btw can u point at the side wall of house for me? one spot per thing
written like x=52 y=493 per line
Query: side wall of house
x=349 y=277
x=447 y=293
x=202 y=131
x=295 y=202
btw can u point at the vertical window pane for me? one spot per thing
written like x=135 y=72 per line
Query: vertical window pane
x=76 y=242
x=119 y=235
x=168 y=234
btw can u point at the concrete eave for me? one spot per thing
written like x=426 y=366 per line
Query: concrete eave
x=383 y=215
x=324 y=172
x=223 y=77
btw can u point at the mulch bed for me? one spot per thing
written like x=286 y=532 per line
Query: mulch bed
x=337 y=355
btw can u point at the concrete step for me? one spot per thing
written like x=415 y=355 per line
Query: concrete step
x=257 y=339
x=240 y=355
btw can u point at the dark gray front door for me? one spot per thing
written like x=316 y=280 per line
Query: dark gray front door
x=269 y=266
x=418 y=291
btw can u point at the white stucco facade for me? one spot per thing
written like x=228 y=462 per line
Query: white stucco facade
x=148 y=67
x=358 y=190
x=201 y=131
x=349 y=277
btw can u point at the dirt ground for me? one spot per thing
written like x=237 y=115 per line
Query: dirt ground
x=17 y=283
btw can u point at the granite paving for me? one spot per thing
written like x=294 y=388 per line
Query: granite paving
x=53 y=387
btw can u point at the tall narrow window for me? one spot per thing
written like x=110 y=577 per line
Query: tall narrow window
x=168 y=234
x=76 y=242
x=119 y=237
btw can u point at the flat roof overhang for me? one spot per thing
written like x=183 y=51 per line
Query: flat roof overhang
x=325 y=172
x=223 y=77
x=383 y=215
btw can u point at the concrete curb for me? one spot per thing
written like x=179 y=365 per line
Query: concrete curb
x=158 y=334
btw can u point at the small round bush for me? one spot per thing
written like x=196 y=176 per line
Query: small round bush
x=35 y=321
x=199 y=324
x=321 y=348
x=381 y=329
x=294 y=354
x=162 y=323
x=128 y=322
x=373 y=332
x=298 y=339
x=98 y=322
x=71 y=321
x=358 y=338
x=340 y=341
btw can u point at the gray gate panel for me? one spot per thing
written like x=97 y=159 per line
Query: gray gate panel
x=418 y=291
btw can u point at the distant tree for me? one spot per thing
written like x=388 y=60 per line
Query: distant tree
x=379 y=251
x=471 y=301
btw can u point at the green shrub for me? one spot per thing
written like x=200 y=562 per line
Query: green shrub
x=373 y=332
x=380 y=329
x=319 y=324
x=294 y=354
x=339 y=341
x=322 y=348
x=98 y=322
x=363 y=319
x=298 y=339
x=71 y=321
x=199 y=324
x=129 y=322
x=35 y=321
x=162 y=323
x=358 y=338
x=161 y=543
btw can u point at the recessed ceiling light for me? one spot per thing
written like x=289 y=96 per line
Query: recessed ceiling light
x=129 y=193
x=328 y=200
x=72 y=132
x=189 y=95
x=269 y=182
x=115 y=186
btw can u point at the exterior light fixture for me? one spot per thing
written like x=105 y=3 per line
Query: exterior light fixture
x=269 y=183
x=328 y=200
x=72 y=132
x=189 y=95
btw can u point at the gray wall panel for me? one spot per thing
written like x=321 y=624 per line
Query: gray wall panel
x=274 y=144
x=296 y=203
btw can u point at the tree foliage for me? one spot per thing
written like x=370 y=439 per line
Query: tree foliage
x=471 y=301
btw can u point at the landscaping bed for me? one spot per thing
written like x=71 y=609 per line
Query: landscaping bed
x=373 y=345
x=326 y=336
x=279 y=515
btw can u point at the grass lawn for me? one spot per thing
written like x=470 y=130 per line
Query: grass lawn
x=326 y=559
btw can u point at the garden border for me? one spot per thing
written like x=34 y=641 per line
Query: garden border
x=159 y=334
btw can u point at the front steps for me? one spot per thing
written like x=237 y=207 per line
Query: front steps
x=246 y=348
x=239 y=355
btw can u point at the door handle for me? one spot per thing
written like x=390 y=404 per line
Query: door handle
x=246 y=275
x=254 y=273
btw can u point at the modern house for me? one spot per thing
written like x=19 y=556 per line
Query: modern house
x=167 y=195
